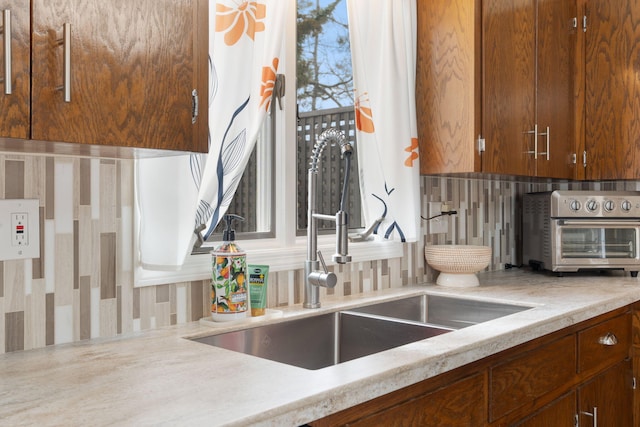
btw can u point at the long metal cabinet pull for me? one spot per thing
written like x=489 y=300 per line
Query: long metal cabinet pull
x=547 y=134
x=6 y=35
x=65 y=41
x=533 y=132
x=593 y=414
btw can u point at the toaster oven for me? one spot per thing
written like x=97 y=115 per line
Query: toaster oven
x=568 y=231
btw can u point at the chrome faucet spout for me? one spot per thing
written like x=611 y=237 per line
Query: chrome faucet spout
x=314 y=277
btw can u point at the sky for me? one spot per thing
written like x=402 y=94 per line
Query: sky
x=330 y=33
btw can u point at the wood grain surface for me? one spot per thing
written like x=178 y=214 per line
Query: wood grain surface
x=612 y=104
x=555 y=87
x=524 y=379
x=448 y=85
x=509 y=85
x=598 y=392
x=14 y=108
x=133 y=67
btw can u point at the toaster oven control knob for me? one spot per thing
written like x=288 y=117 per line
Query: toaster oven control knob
x=609 y=205
x=575 y=205
x=592 y=205
x=625 y=205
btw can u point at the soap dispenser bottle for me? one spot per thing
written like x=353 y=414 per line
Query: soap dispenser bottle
x=229 y=287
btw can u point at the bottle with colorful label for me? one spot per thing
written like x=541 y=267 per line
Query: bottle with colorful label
x=229 y=287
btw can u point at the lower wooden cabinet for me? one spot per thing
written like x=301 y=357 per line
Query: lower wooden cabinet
x=442 y=401
x=567 y=378
x=560 y=413
x=603 y=401
x=529 y=376
x=460 y=404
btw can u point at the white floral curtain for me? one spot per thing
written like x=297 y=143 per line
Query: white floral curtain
x=383 y=50
x=177 y=195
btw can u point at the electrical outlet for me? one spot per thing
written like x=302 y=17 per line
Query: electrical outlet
x=19 y=229
x=439 y=224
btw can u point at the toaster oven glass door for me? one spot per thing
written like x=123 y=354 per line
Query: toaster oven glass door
x=607 y=241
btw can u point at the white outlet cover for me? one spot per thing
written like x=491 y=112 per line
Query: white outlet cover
x=439 y=224
x=30 y=207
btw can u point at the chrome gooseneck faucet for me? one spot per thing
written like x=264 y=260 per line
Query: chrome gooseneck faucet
x=314 y=277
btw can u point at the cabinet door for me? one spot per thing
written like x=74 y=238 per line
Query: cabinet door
x=555 y=91
x=612 y=95
x=132 y=65
x=560 y=413
x=448 y=90
x=509 y=76
x=608 y=397
x=520 y=381
x=15 y=87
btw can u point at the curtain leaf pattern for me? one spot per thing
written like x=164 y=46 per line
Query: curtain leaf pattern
x=413 y=153
x=180 y=194
x=364 y=116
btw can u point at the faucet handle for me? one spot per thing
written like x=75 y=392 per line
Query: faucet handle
x=324 y=265
x=325 y=278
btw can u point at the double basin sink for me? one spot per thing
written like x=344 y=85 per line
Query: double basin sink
x=327 y=339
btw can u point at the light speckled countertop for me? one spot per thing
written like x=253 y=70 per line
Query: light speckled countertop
x=160 y=378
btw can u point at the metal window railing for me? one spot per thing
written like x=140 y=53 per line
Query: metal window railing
x=331 y=171
x=330 y=176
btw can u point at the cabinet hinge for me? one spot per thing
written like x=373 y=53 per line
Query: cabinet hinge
x=481 y=144
x=194 y=106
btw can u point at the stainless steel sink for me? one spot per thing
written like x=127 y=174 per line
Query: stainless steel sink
x=324 y=340
x=319 y=341
x=450 y=312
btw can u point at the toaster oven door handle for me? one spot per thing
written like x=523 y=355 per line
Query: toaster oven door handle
x=601 y=223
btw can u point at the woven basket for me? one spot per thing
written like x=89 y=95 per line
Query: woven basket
x=462 y=259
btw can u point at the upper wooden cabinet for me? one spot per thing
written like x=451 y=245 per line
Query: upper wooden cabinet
x=509 y=49
x=496 y=88
x=15 y=82
x=529 y=96
x=557 y=89
x=612 y=94
x=448 y=85
x=113 y=72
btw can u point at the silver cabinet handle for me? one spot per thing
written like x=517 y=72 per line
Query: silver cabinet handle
x=6 y=36
x=548 y=135
x=195 y=106
x=533 y=132
x=593 y=414
x=609 y=339
x=65 y=41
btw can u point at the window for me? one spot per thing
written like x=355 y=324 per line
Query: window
x=272 y=194
x=324 y=100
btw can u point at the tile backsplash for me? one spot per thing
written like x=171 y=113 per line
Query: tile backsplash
x=82 y=285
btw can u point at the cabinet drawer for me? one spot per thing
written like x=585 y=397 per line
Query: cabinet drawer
x=460 y=404
x=604 y=344
x=522 y=380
